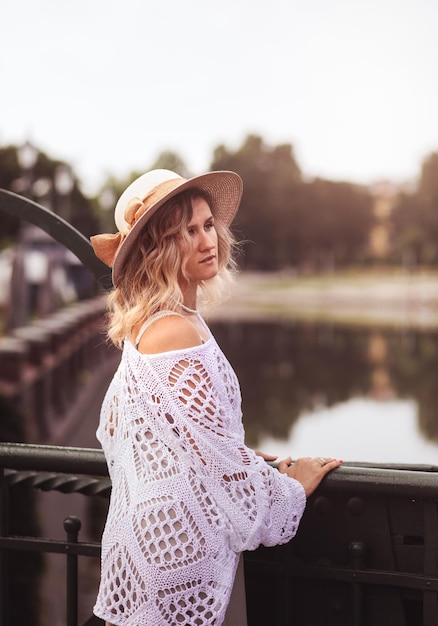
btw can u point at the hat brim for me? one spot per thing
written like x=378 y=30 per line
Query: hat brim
x=222 y=188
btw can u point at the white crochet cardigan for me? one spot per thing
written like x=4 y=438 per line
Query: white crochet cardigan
x=187 y=494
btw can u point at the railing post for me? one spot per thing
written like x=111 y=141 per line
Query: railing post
x=72 y=526
x=4 y=531
x=357 y=552
x=430 y=598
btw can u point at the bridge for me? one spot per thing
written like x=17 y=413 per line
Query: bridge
x=366 y=553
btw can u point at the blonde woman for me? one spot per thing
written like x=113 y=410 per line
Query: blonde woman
x=188 y=496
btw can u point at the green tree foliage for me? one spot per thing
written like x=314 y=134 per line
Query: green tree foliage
x=38 y=183
x=428 y=201
x=271 y=178
x=292 y=223
x=169 y=160
x=9 y=170
x=339 y=219
x=285 y=220
x=409 y=234
x=415 y=219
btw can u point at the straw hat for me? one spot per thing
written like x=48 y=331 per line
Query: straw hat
x=143 y=197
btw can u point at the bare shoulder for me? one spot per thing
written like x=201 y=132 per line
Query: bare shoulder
x=172 y=332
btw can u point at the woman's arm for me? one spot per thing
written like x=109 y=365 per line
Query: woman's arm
x=261 y=504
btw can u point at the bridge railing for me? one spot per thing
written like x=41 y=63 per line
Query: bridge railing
x=42 y=364
x=366 y=553
x=47 y=468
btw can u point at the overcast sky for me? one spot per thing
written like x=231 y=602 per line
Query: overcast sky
x=106 y=85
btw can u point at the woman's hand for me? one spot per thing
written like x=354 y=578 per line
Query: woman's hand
x=308 y=471
x=266 y=457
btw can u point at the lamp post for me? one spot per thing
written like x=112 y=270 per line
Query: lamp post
x=107 y=202
x=19 y=298
x=27 y=156
x=64 y=183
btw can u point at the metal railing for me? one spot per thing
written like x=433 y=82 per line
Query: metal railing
x=68 y=470
x=366 y=553
x=55 y=226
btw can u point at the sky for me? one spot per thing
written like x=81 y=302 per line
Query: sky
x=106 y=85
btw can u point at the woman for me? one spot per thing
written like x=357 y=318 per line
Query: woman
x=188 y=496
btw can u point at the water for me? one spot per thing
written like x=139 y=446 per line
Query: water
x=356 y=393
x=358 y=430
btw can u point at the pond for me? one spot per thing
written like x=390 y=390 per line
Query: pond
x=367 y=394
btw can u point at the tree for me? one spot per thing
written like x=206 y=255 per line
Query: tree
x=39 y=183
x=428 y=201
x=291 y=222
x=415 y=219
x=409 y=230
x=271 y=176
x=8 y=172
x=339 y=219
x=169 y=160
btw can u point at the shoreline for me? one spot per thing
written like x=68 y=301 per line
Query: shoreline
x=390 y=299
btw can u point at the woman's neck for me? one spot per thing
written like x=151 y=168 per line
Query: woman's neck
x=189 y=293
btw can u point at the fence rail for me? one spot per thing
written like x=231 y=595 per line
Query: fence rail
x=366 y=553
x=50 y=468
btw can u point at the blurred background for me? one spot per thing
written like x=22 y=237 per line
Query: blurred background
x=338 y=291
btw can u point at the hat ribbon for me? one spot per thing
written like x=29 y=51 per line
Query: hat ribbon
x=107 y=246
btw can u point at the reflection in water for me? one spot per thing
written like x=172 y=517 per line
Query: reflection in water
x=359 y=430
x=372 y=392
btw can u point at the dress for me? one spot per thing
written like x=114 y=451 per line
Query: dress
x=187 y=495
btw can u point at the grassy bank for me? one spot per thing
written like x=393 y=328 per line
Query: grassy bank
x=377 y=297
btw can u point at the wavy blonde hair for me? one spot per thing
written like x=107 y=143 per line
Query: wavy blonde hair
x=150 y=276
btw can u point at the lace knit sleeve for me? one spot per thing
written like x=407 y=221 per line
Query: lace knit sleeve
x=257 y=504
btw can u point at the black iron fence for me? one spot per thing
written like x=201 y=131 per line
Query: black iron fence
x=45 y=468
x=366 y=553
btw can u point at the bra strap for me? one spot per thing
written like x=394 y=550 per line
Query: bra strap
x=154 y=318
